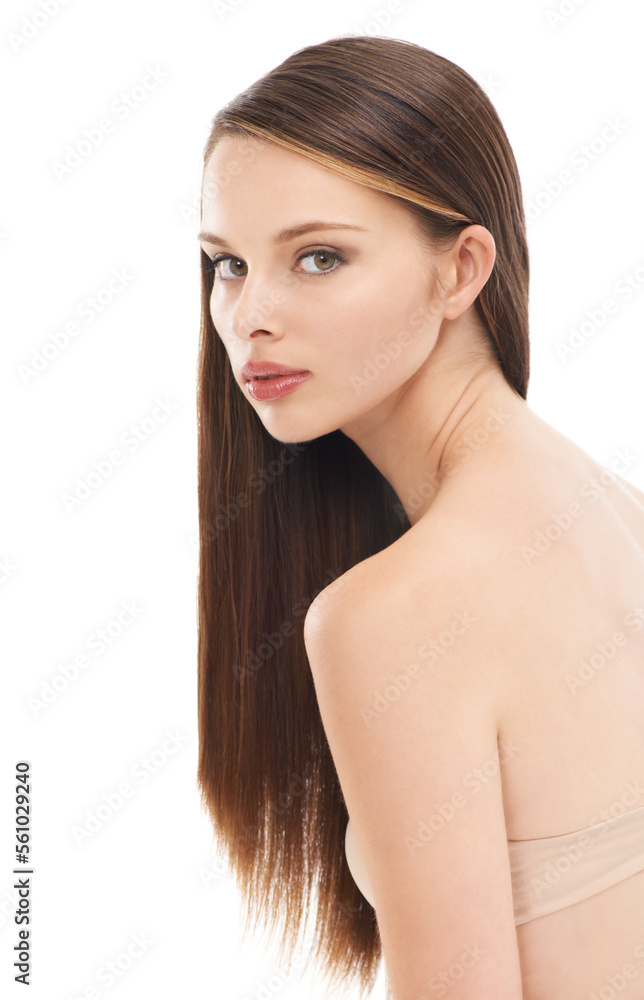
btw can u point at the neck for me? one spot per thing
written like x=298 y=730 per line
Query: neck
x=432 y=426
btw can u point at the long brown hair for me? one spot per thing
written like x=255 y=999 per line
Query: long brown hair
x=279 y=522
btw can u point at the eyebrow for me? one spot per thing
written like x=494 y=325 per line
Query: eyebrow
x=286 y=235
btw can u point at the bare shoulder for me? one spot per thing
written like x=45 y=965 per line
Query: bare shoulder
x=357 y=596
x=450 y=602
x=408 y=603
x=465 y=593
x=360 y=591
x=402 y=680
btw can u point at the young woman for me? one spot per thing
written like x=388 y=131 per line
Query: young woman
x=421 y=615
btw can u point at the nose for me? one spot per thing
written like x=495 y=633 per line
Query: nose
x=256 y=313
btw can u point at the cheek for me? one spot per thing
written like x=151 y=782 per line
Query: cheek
x=222 y=321
x=217 y=311
x=235 y=349
x=382 y=333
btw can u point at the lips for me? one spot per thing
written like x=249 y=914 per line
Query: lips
x=265 y=370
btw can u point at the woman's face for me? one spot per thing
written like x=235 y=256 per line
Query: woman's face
x=348 y=296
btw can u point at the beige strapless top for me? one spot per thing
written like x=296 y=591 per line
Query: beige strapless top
x=551 y=873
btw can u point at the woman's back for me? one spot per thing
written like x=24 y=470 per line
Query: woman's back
x=544 y=532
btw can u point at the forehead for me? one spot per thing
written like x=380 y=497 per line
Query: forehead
x=247 y=177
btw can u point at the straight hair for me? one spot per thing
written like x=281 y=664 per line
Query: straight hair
x=280 y=522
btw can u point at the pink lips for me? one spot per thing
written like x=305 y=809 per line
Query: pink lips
x=267 y=380
x=255 y=369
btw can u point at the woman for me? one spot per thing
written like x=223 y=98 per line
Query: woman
x=421 y=607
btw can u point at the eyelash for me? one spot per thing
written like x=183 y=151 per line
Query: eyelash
x=341 y=259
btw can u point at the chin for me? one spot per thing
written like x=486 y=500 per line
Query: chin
x=296 y=431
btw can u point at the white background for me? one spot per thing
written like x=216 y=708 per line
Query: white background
x=131 y=205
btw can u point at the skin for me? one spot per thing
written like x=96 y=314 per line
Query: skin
x=414 y=414
x=478 y=474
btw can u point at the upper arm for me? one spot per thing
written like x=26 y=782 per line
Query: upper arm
x=408 y=697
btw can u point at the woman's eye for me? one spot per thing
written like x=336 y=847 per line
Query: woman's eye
x=322 y=260
x=227 y=268
x=236 y=269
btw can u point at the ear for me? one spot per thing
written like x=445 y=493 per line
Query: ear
x=465 y=269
